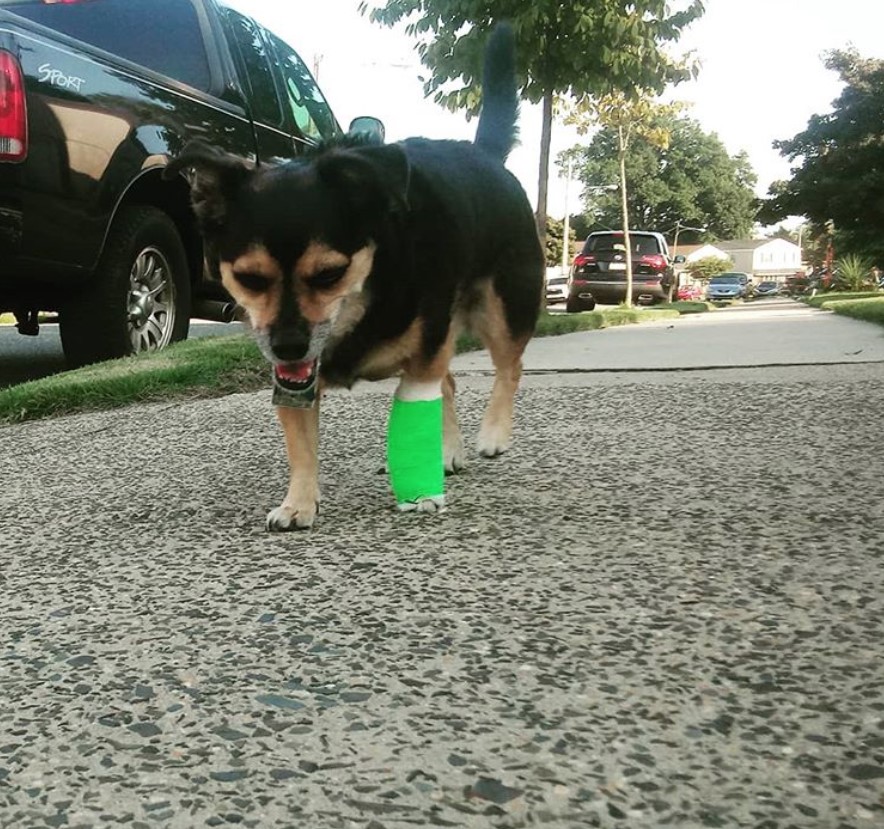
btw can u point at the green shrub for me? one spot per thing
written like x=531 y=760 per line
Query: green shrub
x=854 y=273
x=704 y=269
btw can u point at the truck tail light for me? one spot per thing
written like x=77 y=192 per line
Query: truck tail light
x=655 y=260
x=13 y=110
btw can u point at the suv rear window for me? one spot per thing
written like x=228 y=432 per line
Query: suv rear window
x=725 y=280
x=162 y=35
x=641 y=245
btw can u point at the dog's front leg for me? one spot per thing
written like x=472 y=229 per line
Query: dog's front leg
x=298 y=509
x=414 y=445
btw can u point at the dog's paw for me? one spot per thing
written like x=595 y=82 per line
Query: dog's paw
x=285 y=518
x=433 y=503
x=492 y=446
x=493 y=440
x=454 y=463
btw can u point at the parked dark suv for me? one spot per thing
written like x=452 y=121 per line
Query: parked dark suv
x=95 y=97
x=599 y=270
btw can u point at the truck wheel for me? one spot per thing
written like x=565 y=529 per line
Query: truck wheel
x=139 y=299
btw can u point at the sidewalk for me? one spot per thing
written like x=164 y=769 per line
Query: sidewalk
x=766 y=333
x=663 y=607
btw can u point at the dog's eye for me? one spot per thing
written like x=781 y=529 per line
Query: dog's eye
x=327 y=278
x=252 y=281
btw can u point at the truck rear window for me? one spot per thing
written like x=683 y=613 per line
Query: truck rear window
x=606 y=242
x=162 y=35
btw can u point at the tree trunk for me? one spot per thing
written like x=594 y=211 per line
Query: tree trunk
x=625 y=209
x=543 y=175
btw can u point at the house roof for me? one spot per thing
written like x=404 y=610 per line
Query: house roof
x=748 y=244
x=741 y=244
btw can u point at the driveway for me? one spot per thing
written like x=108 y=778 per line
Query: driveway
x=662 y=608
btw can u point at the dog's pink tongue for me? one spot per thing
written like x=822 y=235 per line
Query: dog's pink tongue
x=295 y=372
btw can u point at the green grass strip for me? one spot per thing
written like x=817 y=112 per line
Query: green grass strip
x=216 y=366
x=821 y=300
x=870 y=309
x=209 y=367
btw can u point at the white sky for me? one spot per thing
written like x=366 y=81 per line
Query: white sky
x=762 y=75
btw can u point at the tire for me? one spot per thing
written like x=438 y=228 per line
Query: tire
x=139 y=299
x=575 y=306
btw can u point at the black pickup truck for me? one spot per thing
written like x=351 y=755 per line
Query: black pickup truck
x=95 y=97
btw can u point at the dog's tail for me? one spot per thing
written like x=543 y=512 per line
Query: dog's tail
x=496 y=133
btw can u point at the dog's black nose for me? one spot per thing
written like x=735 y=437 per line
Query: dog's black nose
x=289 y=344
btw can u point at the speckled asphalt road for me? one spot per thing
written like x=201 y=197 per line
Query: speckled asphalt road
x=663 y=608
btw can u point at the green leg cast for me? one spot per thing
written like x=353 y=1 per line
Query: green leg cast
x=414 y=454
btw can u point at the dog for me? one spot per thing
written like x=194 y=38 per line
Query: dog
x=363 y=260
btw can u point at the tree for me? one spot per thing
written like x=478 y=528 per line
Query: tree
x=566 y=48
x=555 y=240
x=690 y=181
x=580 y=227
x=839 y=158
x=707 y=267
x=629 y=117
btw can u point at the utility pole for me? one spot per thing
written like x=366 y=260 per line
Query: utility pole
x=566 y=242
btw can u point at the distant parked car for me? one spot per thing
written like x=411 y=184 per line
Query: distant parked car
x=797 y=284
x=556 y=289
x=767 y=288
x=599 y=270
x=731 y=285
x=687 y=293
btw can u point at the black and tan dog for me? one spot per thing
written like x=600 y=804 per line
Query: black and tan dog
x=364 y=261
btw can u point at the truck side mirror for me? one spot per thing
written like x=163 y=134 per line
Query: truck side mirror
x=368 y=126
x=679 y=259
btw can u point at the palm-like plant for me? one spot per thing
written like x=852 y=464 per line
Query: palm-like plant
x=853 y=274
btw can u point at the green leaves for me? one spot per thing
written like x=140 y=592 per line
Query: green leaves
x=839 y=172
x=691 y=178
x=579 y=47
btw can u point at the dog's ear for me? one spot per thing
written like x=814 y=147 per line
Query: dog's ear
x=374 y=180
x=217 y=179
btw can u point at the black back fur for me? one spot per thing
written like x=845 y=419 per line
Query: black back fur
x=446 y=217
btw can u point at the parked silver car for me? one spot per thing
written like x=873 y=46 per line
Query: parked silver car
x=556 y=289
x=767 y=288
x=730 y=285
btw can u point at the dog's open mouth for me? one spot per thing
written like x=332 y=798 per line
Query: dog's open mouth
x=296 y=376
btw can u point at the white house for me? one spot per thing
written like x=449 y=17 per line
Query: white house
x=771 y=259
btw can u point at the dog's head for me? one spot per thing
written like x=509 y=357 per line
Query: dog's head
x=295 y=244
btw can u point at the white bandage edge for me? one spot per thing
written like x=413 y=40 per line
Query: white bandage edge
x=414 y=391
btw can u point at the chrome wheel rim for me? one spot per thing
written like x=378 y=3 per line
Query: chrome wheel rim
x=151 y=301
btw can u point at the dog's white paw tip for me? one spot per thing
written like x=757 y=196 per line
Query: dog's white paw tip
x=492 y=452
x=435 y=503
x=492 y=446
x=282 y=520
x=454 y=467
